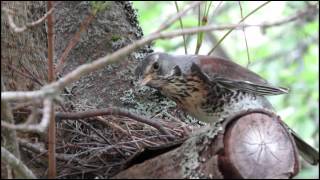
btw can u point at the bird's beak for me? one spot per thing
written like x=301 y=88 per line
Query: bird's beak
x=145 y=80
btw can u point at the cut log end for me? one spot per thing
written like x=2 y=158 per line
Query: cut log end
x=257 y=146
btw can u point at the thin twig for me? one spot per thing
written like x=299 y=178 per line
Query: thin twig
x=198 y=35
x=39 y=128
x=40 y=150
x=73 y=42
x=112 y=111
x=181 y=26
x=17 y=29
x=255 y=10
x=244 y=33
x=23 y=74
x=167 y=23
x=16 y=164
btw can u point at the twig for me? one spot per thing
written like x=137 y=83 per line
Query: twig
x=73 y=42
x=113 y=125
x=16 y=164
x=181 y=25
x=35 y=76
x=132 y=137
x=39 y=128
x=244 y=33
x=255 y=10
x=8 y=137
x=299 y=15
x=23 y=74
x=204 y=21
x=167 y=23
x=112 y=111
x=17 y=29
x=40 y=150
x=198 y=35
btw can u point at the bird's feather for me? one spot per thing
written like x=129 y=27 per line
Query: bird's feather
x=234 y=76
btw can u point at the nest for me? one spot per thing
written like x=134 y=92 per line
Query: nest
x=97 y=147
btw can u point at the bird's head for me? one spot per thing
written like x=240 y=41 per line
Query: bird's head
x=157 y=69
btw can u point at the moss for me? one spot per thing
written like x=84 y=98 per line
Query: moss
x=115 y=37
x=97 y=6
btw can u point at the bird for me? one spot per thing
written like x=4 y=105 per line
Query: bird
x=212 y=88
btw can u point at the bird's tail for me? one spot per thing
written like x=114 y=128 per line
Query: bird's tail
x=309 y=153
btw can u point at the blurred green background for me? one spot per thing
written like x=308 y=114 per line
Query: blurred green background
x=286 y=54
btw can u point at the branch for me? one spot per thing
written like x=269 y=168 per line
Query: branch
x=52 y=172
x=9 y=137
x=40 y=150
x=302 y=14
x=242 y=19
x=17 y=29
x=23 y=74
x=39 y=128
x=73 y=42
x=16 y=164
x=181 y=26
x=113 y=111
x=175 y=17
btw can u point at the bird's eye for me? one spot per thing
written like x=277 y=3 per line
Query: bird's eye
x=156 y=66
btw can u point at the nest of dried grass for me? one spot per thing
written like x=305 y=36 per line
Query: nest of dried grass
x=97 y=147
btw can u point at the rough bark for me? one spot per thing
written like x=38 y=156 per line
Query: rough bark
x=254 y=145
x=25 y=51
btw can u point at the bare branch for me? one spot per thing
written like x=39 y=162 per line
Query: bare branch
x=245 y=36
x=242 y=19
x=113 y=111
x=177 y=16
x=17 y=29
x=40 y=150
x=9 y=137
x=23 y=74
x=52 y=172
x=313 y=11
x=16 y=164
x=41 y=127
x=73 y=42
x=181 y=26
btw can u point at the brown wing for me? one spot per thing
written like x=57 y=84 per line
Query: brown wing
x=235 y=76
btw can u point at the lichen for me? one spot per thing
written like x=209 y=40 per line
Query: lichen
x=193 y=149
